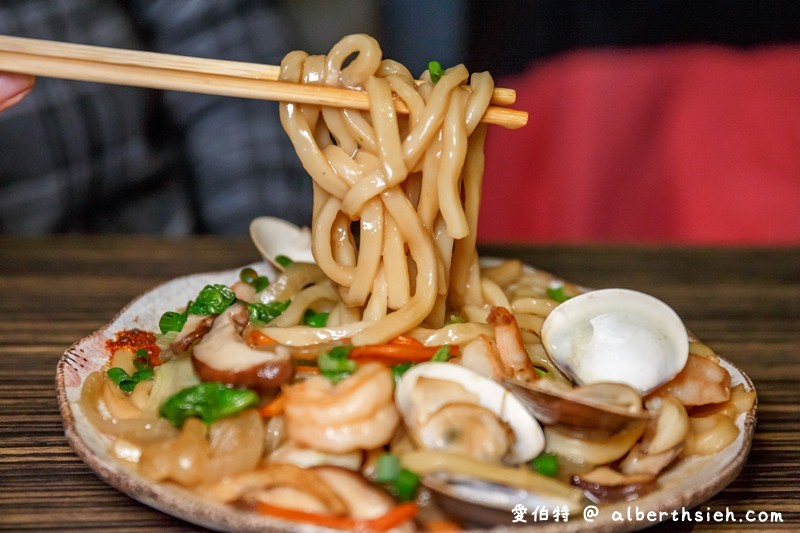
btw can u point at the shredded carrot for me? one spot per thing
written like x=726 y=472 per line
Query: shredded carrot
x=405 y=340
x=306 y=369
x=393 y=518
x=392 y=353
x=257 y=338
x=274 y=407
x=440 y=525
x=336 y=522
x=399 y=514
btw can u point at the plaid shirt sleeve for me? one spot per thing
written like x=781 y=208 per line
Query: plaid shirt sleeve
x=91 y=157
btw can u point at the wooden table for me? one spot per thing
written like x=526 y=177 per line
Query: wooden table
x=745 y=303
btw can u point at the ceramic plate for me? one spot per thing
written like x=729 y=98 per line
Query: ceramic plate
x=689 y=483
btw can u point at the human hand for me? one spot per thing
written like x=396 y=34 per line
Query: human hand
x=13 y=88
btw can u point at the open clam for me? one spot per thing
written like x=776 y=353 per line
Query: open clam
x=616 y=336
x=276 y=237
x=599 y=409
x=482 y=503
x=473 y=473
x=451 y=408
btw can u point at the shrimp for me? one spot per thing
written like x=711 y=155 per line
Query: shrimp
x=508 y=340
x=702 y=381
x=481 y=356
x=357 y=413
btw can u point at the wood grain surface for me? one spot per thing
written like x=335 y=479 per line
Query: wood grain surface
x=744 y=302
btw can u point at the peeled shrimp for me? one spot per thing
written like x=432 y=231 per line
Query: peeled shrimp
x=481 y=356
x=702 y=381
x=508 y=339
x=357 y=413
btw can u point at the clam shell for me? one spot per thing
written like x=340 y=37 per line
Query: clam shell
x=481 y=503
x=529 y=437
x=618 y=336
x=574 y=414
x=274 y=236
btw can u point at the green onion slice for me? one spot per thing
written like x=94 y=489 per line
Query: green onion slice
x=435 y=70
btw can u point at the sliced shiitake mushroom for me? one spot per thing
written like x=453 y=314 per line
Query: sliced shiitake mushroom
x=603 y=484
x=224 y=356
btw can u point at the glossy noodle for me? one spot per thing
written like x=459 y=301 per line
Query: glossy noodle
x=395 y=197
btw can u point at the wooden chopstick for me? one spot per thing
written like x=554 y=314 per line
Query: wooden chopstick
x=209 y=76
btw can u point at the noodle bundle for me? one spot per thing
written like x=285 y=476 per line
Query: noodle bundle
x=395 y=197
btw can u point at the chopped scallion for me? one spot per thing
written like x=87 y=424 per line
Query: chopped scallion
x=442 y=354
x=557 y=294
x=250 y=276
x=455 y=319
x=335 y=365
x=141 y=360
x=212 y=300
x=402 y=483
x=399 y=370
x=261 y=314
x=545 y=464
x=386 y=468
x=283 y=261
x=435 y=70
x=315 y=320
x=260 y=283
x=125 y=382
x=406 y=484
x=171 y=321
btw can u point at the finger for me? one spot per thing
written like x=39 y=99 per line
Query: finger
x=13 y=88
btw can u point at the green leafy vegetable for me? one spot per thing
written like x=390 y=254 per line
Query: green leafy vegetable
x=402 y=483
x=212 y=300
x=546 y=464
x=435 y=70
x=261 y=314
x=335 y=365
x=315 y=320
x=209 y=401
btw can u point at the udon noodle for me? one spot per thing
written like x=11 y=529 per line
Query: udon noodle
x=317 y=395
x=411 y=184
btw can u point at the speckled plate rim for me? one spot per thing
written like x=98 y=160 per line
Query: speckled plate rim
x=688 y=484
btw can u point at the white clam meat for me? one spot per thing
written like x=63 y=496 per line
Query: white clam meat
x=276 y=237
x=617 y=336
x=451 y=408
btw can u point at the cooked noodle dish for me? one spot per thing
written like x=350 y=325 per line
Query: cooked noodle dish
x=374 y=373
